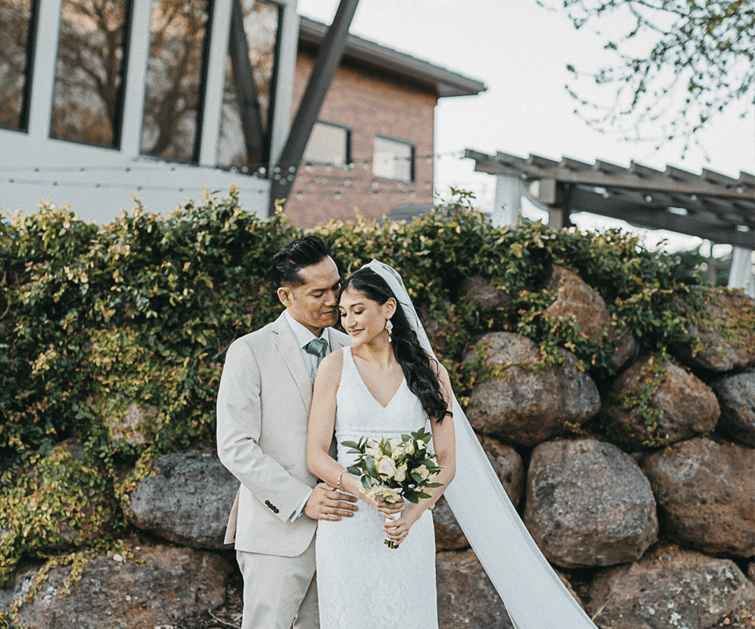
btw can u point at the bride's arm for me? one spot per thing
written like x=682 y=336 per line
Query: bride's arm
x=322 y=419
x=444 y=444
x=334 y=505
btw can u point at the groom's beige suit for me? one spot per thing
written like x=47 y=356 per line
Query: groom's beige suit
x=262 y=411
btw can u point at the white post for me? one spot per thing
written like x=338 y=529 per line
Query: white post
x=43 y=77
x=213 y=105
x=741 y=275
x=508 y=200
x=136 y=80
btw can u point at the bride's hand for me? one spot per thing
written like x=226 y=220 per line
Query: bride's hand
x=386 y=510
x=397 y=530
x=390 y=510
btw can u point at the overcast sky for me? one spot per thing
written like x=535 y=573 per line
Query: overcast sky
x=520 y=51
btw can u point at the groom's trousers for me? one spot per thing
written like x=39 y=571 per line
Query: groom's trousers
x=279 y=592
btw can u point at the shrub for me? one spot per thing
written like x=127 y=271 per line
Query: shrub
x=114 y=335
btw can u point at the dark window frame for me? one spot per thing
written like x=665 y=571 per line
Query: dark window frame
x=24 y=113
x=120 y=98
x=349 y=135
x=412 y=158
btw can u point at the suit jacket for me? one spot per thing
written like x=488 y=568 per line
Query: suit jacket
x=262 y=412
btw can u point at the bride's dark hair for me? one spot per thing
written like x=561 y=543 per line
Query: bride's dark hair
x=414 y=361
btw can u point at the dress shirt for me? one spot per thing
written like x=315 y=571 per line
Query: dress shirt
x=303 y=336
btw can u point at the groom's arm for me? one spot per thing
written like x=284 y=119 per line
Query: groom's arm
x=239 y=425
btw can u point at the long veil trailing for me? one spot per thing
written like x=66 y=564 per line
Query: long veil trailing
x=534 y=596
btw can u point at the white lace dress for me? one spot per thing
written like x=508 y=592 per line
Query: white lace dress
x=361 y=582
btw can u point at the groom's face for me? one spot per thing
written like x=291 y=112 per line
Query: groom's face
x=314 y=304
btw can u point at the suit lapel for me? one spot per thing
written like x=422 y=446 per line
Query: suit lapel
x=335 y=342
x=285 y=341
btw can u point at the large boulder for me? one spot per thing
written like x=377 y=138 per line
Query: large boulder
x=588 y=504
x=448 y=533
x=482 y=293
x=706 y=495
x=656 y=402
x=669 y=587
x=114 y=591
x=188 y=499
x=728 y=337
x=577 y=301
x=509 y=468
x=736 y=397
x=522 y=402
x=466 y=597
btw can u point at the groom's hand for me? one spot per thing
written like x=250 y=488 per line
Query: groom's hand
x=325 y=503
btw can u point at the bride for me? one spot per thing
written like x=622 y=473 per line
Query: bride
x=388 y=384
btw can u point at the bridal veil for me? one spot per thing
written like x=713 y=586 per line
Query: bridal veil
x=534 y=596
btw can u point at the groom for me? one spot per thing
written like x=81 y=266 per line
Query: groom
x=262 y=411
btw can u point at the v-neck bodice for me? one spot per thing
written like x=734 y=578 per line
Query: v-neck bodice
x=359 y=414
x=361 y=379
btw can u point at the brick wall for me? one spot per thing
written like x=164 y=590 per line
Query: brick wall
x=369 y=103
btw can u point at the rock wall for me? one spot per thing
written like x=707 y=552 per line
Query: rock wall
x=644 y=535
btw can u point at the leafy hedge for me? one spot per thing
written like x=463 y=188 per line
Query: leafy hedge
x=131 y=319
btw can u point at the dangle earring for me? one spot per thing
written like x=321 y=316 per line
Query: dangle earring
x=388 y=328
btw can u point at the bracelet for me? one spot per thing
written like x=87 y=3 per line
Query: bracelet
x=338 y=484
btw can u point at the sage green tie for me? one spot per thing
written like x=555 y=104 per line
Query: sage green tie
x=317 y=347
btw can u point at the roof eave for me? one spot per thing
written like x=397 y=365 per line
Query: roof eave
x=444 y=82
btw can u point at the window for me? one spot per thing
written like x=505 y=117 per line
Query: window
x=329 y=144
x=87 y=104
x=393 y=159
x=250 y=75
x=15 y=62
x=175 y=79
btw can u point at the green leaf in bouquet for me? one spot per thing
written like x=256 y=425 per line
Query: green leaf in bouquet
x=367 y=482
x=412 y=496
x=369 y=464
x=353 y=470
x=351 y=444
x=428 y=485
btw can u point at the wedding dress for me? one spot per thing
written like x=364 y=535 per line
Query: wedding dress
x=361 y=582
x=534 y=596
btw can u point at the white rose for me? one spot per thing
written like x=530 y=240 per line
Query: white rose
x=382 y=494
x=386 y=467
x=401 y=473
x=409 y=447
x=374 y=452
x=397 y=452
x=423 y=472
x=421 y=445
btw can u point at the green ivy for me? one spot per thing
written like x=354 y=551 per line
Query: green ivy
x=113 y=336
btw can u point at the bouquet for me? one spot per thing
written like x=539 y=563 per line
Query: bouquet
x=390 y=471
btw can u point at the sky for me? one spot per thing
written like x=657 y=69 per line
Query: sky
x=520 y=50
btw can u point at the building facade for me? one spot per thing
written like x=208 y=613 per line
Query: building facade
x=372 y=150
x=101 y=102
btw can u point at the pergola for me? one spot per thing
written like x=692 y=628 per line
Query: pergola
x=710 y=205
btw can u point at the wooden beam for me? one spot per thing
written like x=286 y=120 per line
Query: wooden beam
x=651 y=217
x=608 y=175
x=246 y=88
x=326 y=64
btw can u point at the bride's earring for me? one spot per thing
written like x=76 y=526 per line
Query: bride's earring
x=388 y=328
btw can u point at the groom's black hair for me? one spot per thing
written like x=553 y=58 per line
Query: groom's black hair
x=295 y=256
